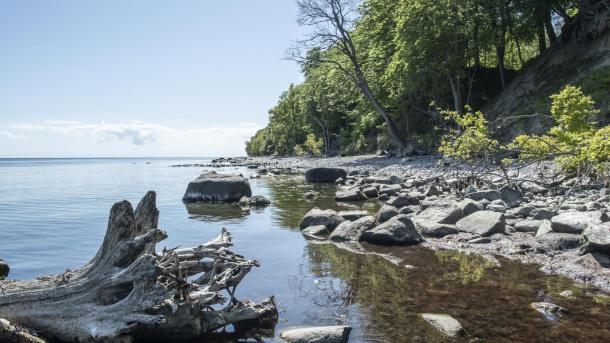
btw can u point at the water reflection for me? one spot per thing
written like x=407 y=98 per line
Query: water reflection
x=491 y=302
x=216 y=212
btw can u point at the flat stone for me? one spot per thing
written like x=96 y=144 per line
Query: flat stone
x=319 y=334
x=555 y=241
x=316 y=216
x=350 y=195
x=470 y=206
x=434 y=229
x=370 y=192
x=402 y=200
x=399 y=230
x=444 y=213
x=482 y=223
x=489 y=195
x=542 y=213
x=528 y=225
x=316 y=232
x=353 y=215
x=349 y=231
x=213 y=187
x=325 y=175
x=444 y=323
x=389 y=190
x=575 y=222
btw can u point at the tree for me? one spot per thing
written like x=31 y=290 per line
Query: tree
x=334 y=22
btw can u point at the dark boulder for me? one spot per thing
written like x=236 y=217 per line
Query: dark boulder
x=399 y=230
x=209 y=187
x=326 y=175
x=4 y=269
x=316 y=216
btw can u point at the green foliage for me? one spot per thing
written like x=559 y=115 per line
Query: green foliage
x=575 y=142
x=471 y=140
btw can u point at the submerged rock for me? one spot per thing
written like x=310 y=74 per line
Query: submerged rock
x=399 y=230
x=325 y=175
x=549 y=310
x=210 y=186
x=482 y=223
x=310 y=195
x=316 y=232
x=316 y=216
x=319 y=334
x=444 y=323
x=255 y=201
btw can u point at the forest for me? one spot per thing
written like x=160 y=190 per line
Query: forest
x=378 y=74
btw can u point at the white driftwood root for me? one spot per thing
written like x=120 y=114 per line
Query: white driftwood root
x=130 y=292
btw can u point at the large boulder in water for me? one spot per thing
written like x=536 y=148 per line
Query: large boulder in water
x=329 y=175
x=4 y=269
x=316 y=216
x=217 y=187
x=349 y=231
x=399 y=230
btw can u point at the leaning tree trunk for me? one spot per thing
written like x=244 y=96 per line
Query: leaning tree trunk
x=129 y=292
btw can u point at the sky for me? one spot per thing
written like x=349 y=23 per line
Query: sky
x=126 y=78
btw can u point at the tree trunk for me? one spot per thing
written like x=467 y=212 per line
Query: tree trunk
x=127 y=292
x=500 y=52
x=541 y=37
x=550 y=30
x=456 y=91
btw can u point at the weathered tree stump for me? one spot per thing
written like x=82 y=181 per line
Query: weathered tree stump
x=129 y=292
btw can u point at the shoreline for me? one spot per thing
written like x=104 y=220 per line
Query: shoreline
x=558 y=256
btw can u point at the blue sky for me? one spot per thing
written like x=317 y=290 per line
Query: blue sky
x=140 y=78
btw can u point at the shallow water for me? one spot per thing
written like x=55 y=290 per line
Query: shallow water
x=53 y=215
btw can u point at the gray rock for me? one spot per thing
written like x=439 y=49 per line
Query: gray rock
x=395 y=180
x=542 y=213
x=389 y=190
x=432 y=190
x=444 y=323
x=310 y=195
x=353 y=215
x=496 y=208
x=378 y=180
x=434 y=229
x=444 y=213
x=558 y=241
x=325 y=175
x=596 y=238
x=576 y=222
x=567 y=293
x=482 y=223
x=210 y=187
x=402 y=200
x=350 y=195
x=320 y=334
x=370 y=192
x=385 y=213
x=511 y=196
x=480 y=240
x=470 y=206
x=383 y=197
x=316 y=216
x=603 y=199
x=489 y=195
x=407 y=210
x=523 y=211
x=544 y=228
x=399 y=230
x=317 y=232
x=528 y=225
x=349 y=231
x=4 y=269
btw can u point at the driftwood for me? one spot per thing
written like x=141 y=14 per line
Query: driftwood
x=128 y=292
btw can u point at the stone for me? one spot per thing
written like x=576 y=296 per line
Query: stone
x=350 y=195
x=444 y=323
x=316 y=232
x=370 y=192
x=378 y=180
x=316 y=216
x=255 y=201
x=399 y=230
x=523 y=211
x=596 y=238
x=349 y=231
x=549 y=310
x=511 y=196
x=528 y=225
x=470 y=206
x=407 y=210
x=434 y=229
x=496 y=208
x=353 y=215
x=389 y=190
x=544 y=228
x=480 y=240
x=402 y=200
x=213 y=187
x=385 y=213
x=432 y=190
x=444 y=213
x=542 y=213
x=4 y=269
x=482 y=223
x=489 y=195
x=576 y=222
x=395 y=180
x=567 y=293
x=558 y=241
x=319 y=334
x=310 y=195
x=325 y=175
x=383 y=197
x=340 y=181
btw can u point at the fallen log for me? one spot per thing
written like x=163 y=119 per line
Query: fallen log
x=129 y=292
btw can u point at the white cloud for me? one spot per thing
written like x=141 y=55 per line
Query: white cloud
x=10 y=135
x=140 y=133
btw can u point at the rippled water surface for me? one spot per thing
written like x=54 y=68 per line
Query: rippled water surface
x=53 y=215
